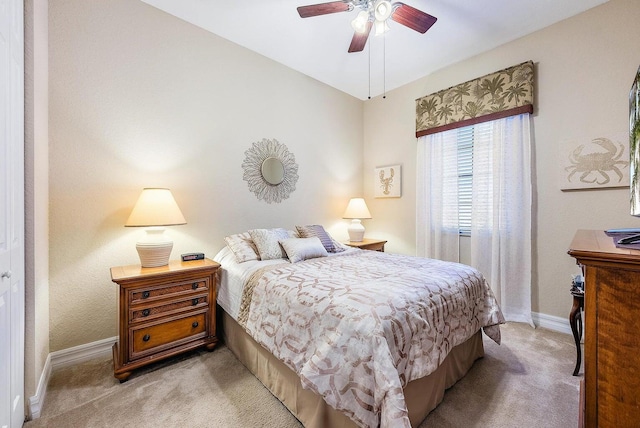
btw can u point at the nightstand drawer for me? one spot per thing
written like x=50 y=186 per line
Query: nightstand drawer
x=143 y=314
x=166 y=290
x=148 y=340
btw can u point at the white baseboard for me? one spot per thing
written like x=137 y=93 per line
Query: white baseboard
x=550 y=322
x=36 y=402
x=79 y=354
x=65 y=358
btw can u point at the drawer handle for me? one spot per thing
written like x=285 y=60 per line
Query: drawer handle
x=145 y=294
x=195 y=301
x=194 y=285
x=195 y=324
x=146 y=338
x=145 y=313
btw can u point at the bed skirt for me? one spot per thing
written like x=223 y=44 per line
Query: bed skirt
x=421 y=395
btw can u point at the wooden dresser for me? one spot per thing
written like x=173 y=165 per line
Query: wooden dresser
x=163 y=311
x=612 y=330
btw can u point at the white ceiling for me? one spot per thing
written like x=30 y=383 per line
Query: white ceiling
x=317 y=46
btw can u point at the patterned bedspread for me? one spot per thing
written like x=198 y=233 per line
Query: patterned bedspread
x=358 y=327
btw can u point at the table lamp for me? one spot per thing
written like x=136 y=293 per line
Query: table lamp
x=356 y=210
x=155 y=209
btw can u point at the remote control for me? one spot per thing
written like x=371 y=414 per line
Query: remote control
x=629 y=240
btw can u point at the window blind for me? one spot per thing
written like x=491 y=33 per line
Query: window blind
x=465 y=178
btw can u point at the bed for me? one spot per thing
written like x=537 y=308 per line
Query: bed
x=346 y=337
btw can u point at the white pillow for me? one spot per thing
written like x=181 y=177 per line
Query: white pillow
x=266 y=241
x=299 y=249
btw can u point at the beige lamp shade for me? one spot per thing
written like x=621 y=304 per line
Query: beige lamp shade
x=155 y=209
x=356 y=210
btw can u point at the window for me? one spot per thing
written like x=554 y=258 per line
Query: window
x=497 y=156
x=467 y=141
x=465 y=178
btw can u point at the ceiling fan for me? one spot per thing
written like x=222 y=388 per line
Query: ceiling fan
x=372 y=13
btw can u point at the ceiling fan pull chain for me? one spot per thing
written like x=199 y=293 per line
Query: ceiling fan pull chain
x=369 y=50
x=384 y=66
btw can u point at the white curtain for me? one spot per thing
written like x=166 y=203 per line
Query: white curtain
x=501 y=212
x=501 y=208
x=437 y=197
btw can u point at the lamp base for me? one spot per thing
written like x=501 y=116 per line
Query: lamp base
x=154 y=248
x=356 y=231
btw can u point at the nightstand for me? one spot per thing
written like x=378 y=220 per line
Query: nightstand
x=163 y=311
x=368 y=244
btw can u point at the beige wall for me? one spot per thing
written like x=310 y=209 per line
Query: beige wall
x=585 y=66
x=36 y=193
x=139 y=98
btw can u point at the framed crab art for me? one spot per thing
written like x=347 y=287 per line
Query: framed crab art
x=595 y=163
x=634 y=143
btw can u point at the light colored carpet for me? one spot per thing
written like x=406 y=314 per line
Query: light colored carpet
x=525 y=382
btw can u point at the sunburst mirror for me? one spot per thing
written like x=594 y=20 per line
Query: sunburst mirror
x=270 y=170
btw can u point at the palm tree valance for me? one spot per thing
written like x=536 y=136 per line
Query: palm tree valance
x=501 y=94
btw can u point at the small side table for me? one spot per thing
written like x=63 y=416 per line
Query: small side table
x=575 y=319
x=368 y=244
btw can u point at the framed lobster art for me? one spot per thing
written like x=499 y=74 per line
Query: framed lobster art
x=388 y=181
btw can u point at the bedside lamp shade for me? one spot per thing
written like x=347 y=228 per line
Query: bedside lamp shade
x=155 y=209
x=356 y=210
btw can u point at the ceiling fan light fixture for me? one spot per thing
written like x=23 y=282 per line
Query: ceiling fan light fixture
x=359 y=24
x=372 y=12
x=381 y=27
x=382 y=10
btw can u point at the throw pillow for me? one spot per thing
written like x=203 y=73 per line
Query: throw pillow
x=318 y=231
x=299 y=249
x=266 y=241
x=242 y=247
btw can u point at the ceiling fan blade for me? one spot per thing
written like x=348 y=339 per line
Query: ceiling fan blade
x=323 y=9
x=412 y=17
x=360 y=39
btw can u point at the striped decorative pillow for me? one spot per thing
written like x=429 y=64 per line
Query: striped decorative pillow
x=316 y=230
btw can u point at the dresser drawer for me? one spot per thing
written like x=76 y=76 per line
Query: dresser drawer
x=143 y=314
x=166 y=290
x=154 y=338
